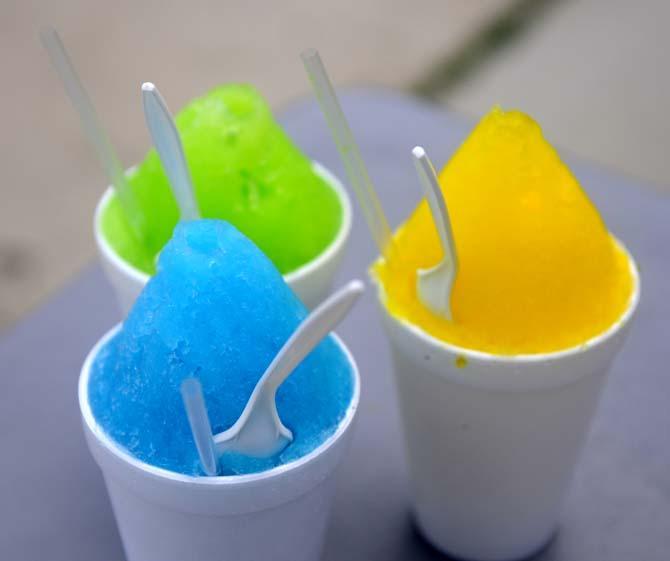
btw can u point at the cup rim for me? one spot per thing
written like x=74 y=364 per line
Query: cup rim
x=291 y=277
x=523 y=358
x=232 y=480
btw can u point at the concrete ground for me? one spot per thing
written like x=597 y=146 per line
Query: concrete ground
x=589 y=70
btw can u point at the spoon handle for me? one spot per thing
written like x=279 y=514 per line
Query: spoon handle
x=170 y=150
x=436 y=202
x=310 y=332
x=92 y=127
x=349 y=150
x=196 y=411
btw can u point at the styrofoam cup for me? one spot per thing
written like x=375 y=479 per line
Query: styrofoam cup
x=279 y=514
x=312 y=281
x=492 y=440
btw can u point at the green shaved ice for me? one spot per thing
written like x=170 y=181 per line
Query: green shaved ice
x=117 y=232
x=245 y=170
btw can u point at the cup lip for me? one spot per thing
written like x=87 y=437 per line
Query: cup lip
x=292 y=277
x=231 y=480
x=523 y=358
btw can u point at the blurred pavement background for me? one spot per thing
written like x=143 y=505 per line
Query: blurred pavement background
x=589 y=70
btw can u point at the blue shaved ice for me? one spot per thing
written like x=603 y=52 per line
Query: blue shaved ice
x=219 y=310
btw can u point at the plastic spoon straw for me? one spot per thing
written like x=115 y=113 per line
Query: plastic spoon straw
x=170 y=150
x=259 y=431
x=435 y=284
x=194 y=402
x=349 y=151
x=92 y=128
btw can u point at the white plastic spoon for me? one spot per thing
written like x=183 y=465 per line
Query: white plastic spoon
x=259 y=432
x=434 y=285
x=170 y=150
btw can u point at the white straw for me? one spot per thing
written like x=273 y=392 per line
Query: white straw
x=92 y=128
x=170 y=150
x=194 y=402
x=349 y=151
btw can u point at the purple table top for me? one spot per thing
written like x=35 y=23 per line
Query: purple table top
x=53 y=504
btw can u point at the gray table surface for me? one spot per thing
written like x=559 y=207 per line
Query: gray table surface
x=53 y=503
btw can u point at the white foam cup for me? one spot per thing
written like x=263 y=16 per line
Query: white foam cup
x=312 y=282
x=492 y=440
x=279 y=514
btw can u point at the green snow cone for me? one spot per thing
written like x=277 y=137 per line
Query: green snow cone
x=245 y=170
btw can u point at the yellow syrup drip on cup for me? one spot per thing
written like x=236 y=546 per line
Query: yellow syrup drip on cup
x=538 y=269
